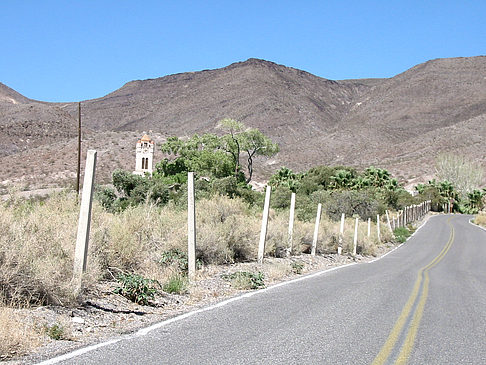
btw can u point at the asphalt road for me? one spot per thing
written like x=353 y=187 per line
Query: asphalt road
x=424 y=303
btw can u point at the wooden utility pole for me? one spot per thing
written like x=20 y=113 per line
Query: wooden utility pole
x=79 y=149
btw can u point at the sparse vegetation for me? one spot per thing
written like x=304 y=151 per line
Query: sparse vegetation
x=55 y=331
x=401 y=234
x=245 y=280
x=480 y=219
x=177 y=284
x=17 y=337
x=136 y=288
x=146 y=241
x=297 y=267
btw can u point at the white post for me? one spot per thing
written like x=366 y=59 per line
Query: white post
x=291 y=224
x=82 y=239
x=341 y=234
x=191 y=226
x=355 y=240
x=378 y=227
x=316 y=230
x=388 y=220
x=369 y=227
x=263 y=232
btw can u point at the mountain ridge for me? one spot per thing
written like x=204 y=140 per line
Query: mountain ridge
x=357 y=122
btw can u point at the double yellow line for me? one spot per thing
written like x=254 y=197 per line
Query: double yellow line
x=416 y=316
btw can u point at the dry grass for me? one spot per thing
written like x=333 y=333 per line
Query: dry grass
x=38 y=238
x=16 y=337
x=480 y=219
x=37 y=242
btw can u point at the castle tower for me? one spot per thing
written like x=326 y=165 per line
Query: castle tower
x=144 y=156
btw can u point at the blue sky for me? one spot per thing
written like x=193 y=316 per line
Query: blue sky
x=76 y=50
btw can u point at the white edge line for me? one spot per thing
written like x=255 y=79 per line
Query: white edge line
x=401 y=244
x=476 y=225
x=78 y=352
x=146 y=330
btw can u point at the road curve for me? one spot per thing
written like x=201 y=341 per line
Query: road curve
x=422 y=304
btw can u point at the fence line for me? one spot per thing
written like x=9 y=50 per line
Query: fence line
x=407 y=215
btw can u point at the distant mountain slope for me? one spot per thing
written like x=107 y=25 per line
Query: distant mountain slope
x=8 y=95
x=26 y=124
x=259 y=93
x=400 y=123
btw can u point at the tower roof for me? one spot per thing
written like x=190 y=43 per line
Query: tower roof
x=145 y=138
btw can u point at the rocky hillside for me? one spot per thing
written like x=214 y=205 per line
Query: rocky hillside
x=400 y=123
x=26 y=124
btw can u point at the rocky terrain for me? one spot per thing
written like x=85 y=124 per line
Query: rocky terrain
x=401 y=123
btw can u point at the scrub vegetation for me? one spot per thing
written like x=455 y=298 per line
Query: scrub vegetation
x=138 y=228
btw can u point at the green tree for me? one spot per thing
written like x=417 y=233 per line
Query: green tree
x=285 y=177
x=255 y=143
x=216 y=156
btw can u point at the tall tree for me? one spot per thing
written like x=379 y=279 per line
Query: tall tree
x=464 y=174
x=217 y=156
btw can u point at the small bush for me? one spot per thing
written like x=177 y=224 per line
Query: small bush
x=245 y=280
x=136 y=288
x=297 y=267
x=56 y=332
x=351 y=203
x=401 y=234
x=480 y=219
x=177 y=284
x=176 y=257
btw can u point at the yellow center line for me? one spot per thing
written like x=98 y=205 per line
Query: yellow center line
x=412 y=332
x=392 y=339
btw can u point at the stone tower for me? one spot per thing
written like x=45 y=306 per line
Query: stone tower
x=144 y=156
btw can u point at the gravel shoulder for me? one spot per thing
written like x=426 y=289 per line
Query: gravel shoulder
x=102 y=314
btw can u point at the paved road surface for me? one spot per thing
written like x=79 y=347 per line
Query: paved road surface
x=425 y=303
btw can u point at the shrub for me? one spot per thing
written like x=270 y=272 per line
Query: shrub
x=297 y=267
x=177 y=284
x=245 y=280
x=280 y=198
x=106 y=197
x=136 y=288
x=56 y=331
x=401 y=234
x=174 y=256
x=36 y=251
x=351 y=203
x=480 y=219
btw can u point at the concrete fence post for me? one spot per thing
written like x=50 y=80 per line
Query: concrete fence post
x=291 y=224
x=316 y=230
x=378 y=227
x=388 y=221
x=191 y=226
x=369 y=227
x=355 y=240
x=82 y=238
x=263 y=232
x=341 y=234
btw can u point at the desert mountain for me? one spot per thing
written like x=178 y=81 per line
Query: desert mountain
x=26 y=124
x=400 y=123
